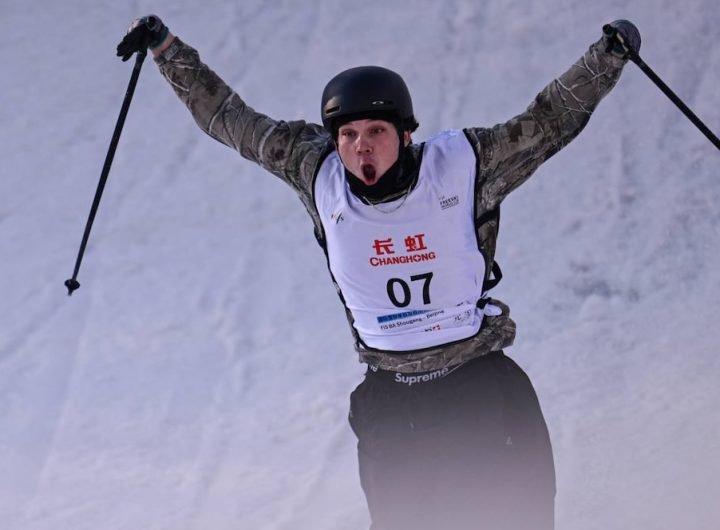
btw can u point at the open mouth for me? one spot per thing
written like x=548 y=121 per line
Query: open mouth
x=369 y=173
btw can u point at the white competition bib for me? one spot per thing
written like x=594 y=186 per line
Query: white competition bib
x=409 y=271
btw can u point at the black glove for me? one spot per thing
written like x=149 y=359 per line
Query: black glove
x=622 y=38
x=143 y=33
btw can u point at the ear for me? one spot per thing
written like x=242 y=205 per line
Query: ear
x=406 y=138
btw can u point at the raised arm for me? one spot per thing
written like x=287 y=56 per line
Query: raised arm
x=510 y=152
x=290 y=150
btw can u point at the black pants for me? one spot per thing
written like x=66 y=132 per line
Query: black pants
x=469 y=450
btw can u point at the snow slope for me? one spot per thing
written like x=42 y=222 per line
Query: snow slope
x=199 y=379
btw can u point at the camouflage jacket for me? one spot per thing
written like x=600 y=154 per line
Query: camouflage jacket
x=507 y=154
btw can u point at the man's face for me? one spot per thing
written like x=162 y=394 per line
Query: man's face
x=368 y=148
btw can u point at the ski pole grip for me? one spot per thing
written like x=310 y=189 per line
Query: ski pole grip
x=615 y=38
x=611 y=33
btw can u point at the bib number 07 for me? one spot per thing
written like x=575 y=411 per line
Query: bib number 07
x=404 y=296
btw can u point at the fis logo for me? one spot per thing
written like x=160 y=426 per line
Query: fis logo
x=449 y=202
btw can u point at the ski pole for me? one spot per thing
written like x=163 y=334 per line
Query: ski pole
x=72 y=283
x=635 y=57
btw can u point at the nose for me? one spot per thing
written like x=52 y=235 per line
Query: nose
x=362 y=144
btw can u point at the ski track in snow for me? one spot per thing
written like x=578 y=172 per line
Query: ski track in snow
x=44 y=415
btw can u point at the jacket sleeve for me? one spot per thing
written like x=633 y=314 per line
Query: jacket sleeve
x=510 y=152
x=289 y=150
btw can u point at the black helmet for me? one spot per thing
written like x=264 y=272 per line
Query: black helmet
x=365 y=92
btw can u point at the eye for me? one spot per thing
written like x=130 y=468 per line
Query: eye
x=347 y=133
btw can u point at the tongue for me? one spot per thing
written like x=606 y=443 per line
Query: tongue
x=368 y=171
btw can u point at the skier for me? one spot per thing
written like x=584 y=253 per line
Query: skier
x=450 y=431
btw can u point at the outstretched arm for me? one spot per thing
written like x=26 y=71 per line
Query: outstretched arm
x=510 y=152
x=290 y=150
